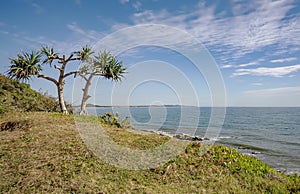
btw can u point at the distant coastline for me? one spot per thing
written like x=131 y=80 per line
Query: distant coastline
x=134 y=106
x=177 y=105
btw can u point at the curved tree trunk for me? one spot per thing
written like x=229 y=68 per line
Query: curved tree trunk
x=85 y=96
x=61 y=100
x=60 y=87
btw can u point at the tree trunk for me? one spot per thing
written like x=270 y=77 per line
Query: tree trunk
x=85 y=96
x=61 y=99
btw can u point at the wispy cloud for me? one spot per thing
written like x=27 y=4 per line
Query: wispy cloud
x=67 y=46
x=38 y=9
x=265 y=71
x=226 y=66
x=283 y=60
x=137 y=5
x=124 y=1
x=248 y=64
x=78 y=38
x=275 y=91
x=118 y=26
x=252 y=27
x=90 y=34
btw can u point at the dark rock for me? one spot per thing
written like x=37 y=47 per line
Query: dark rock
x=196 y=138
x=187 y=137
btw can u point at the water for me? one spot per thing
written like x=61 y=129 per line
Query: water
x=269 y=134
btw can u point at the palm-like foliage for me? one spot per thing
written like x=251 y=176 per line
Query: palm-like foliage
x=108 y=66
x=104 y=64
x=25 y=65
x=85 y=54
x=114 y=70
x=50 y=55
x=100 y=61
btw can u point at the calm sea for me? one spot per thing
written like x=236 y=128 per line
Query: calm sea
x=269 y=134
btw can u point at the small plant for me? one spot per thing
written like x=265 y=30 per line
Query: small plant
x=113 y=119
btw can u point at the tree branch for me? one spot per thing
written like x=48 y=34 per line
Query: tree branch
x=70 y=73
x=70 y=57
x=99 y=74
x=58 y=67
x=73 y=59
x=47 y=78
x=83 y=76
x=57 y=57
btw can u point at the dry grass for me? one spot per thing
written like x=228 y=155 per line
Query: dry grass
x=50 y=157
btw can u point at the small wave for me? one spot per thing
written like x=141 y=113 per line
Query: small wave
x=288 y=171
x=164 y=133
x=241 y=146
x=252 y=154
x=221 y=138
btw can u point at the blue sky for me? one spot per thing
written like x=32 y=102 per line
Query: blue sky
x=255 y=45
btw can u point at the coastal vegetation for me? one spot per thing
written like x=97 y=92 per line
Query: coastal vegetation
x=26 y=65
x=103 y=64
x=43 y=153
x=16 y=96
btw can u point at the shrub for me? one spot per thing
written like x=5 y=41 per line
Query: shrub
x=113 y=120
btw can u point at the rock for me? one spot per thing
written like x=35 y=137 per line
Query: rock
x=196 y=138
x=187 y=137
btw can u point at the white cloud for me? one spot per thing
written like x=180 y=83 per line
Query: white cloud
x=124 y=1
x=253 y=27
x=226 y=66
x=118 y=26
x=78 y=38
x=248 y=64
x=268 y=71
x=66 y=47
x=283 y=60
x=75 y=41
x=275 y=91
x=137 y=5
x=37 y=7
x=92 y=35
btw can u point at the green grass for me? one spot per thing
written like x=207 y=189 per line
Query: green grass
x=16 y=96
x=43 y=153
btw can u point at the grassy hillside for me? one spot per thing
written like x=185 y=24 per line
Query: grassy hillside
x=43 y=153
x=18 y=96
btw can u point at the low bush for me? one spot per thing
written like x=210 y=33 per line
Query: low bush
x=113 y=120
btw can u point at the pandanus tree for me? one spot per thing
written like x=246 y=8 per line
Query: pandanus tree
x=26 y=65
x=103 y=64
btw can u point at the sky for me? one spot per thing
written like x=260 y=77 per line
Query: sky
x=252 y=46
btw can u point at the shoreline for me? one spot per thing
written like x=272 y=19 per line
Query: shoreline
x=40 y=147
x=246 y=150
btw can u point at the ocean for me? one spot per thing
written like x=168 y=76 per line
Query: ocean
x=269 y=134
